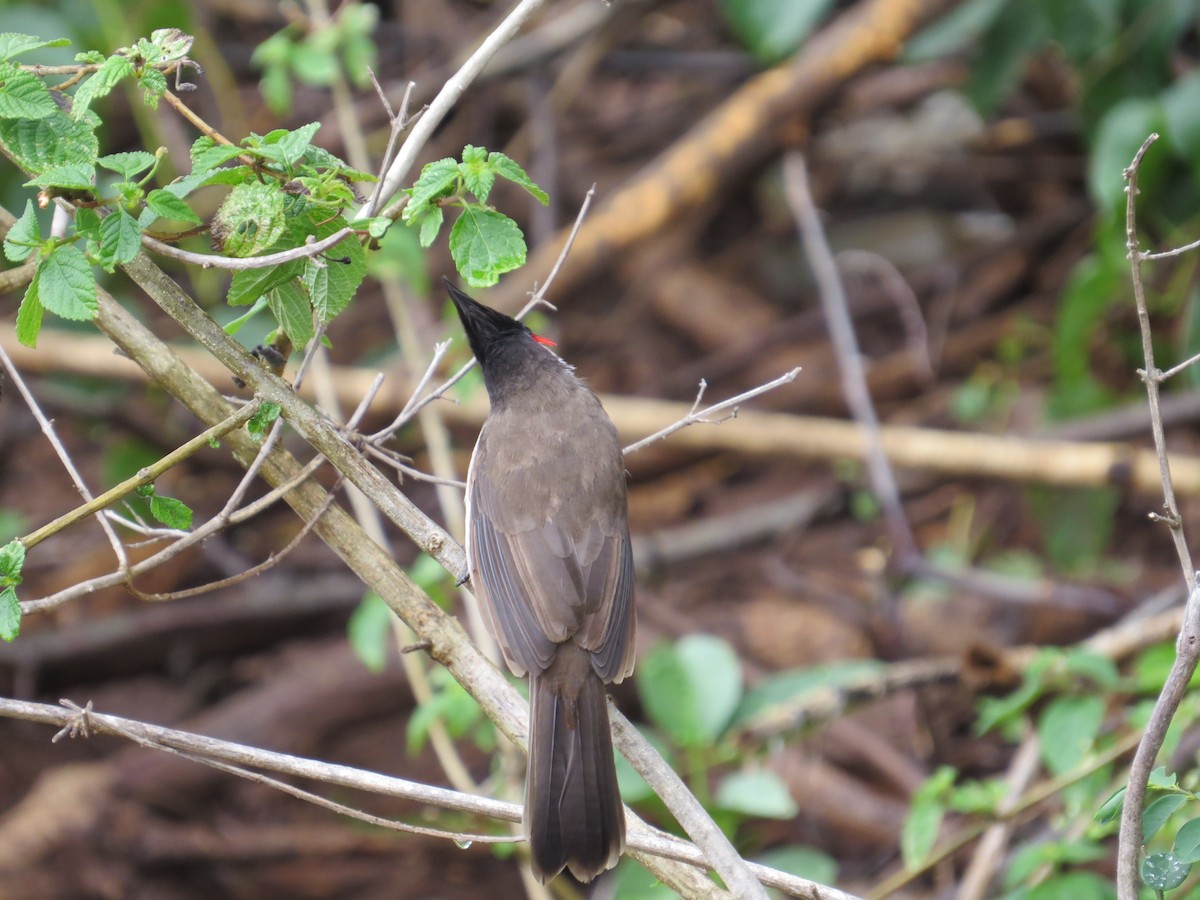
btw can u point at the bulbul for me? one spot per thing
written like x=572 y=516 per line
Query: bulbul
x=552 y=567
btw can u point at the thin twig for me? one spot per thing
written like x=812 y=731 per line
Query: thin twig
x=215 y=261
x=144 y=476
x=845 y=344
x=84 y=721
x=704 y=415
x=1188 y=644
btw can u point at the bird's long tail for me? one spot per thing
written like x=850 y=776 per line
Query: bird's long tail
x=573 y=812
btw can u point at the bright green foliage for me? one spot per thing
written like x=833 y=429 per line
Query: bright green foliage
x=483 y=242
x=1164 y=871
x=250 y=220
x=120 y=239
x=24 y=237
x=924 y=821
x=369 y=630
x=171 y=512
x=262 y=420
x=12 y=559
x=66 y=285
x=320 y=56
x=23 y=95
x=756 y=792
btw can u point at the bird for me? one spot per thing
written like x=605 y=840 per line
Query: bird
x=551 y=564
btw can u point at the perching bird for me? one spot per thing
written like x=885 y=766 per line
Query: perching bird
x=551 y=564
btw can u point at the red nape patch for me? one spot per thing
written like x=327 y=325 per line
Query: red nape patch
x=542 y=340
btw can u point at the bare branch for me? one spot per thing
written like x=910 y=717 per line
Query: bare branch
x=215 y=261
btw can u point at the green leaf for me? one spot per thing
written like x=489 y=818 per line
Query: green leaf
x=101 y=83
x=772 y=29
x=994 y=711
x=40 y=144
x=1018 y=31
x=920 y=830
x=261 y=420
x=292 y=308
x=1187 y=841
x=120 y=239
x=715 y=674
x=87 y=223
x=165 y=45
x=1158 y=812
x=70 y=176
x=10 y=615
x=1164 y=871
x=1118 y=136
x=333 y=278
x=431 y=224
x=803 y=862
x=12 y=560
x=507 y=168
x=1071 y=886
x=1161 y=779
x=208 y=154
x=1094 y=666
x=23 y=95
x=485 y=244
x=476 y=173
x=127 y=164
x=784 y=689
x=171 y=512
x=290 y=148
x=668 y=696
x=757 y=792
x=436 y=180
x=953 y=32
x=1067 y=728
x=370 y=632
x=29 y=316
x=13 y=44
x=165 y=205
x=250 y=219
x=1111 y=808
x=1181 y=114
x=247 y=285
x=24 y=231
x=154 y=85
x=66 y=286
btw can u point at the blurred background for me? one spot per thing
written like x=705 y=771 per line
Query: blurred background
x=870 y=694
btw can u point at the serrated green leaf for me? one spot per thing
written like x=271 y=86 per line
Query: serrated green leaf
x=290 y=149
x=248 y=285
x=165 y=45
x=13 y=44
x=171 y=512
x=120 y=239
x=87 y=223
x=154 y=85
x=476 y=173
x=1164 y=871
x=29 y=315
x=127 y=164
x=333 y=278
x=715 y=673
x=66 y=285
x=12 y=560
x=262 y=420
x=292 y=308
x=1157 y=813
x=370 y=632
x=250 y=219
x=758 y=792
x=485 y=244
x=10 y=615
x=101 y=83
x=89 y=57
x=1067 y=727
x=71 y=176
x=436 y=180
x=23 y=95
x=165 y=205
x=39 y=144
x=431 y=224
x=1187 y=841
x=24 y=231
x=508 y=168
x=208 y=154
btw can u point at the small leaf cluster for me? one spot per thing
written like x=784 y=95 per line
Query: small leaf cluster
x=694 y=695
x=12 y=560
x=484 y=243
x=317 y=56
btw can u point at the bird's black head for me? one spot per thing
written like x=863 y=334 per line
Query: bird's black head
x=490 y=332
